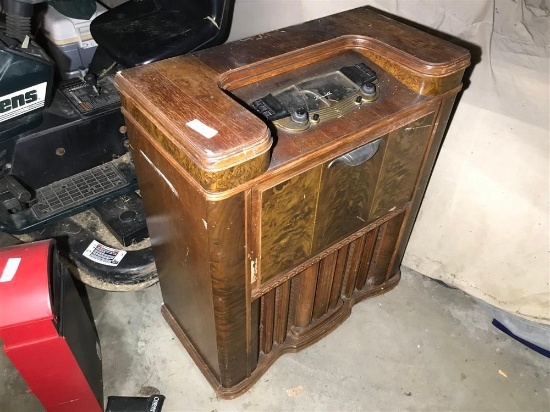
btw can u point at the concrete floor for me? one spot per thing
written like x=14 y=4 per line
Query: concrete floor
x=422 y=346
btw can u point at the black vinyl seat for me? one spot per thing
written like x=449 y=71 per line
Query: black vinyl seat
x=143 y=31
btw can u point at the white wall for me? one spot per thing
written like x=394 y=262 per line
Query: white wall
x=258 y=16
x=483 y=226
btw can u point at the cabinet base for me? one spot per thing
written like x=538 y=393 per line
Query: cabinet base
x=296 y=339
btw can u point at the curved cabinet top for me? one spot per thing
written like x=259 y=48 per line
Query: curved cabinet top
x=188 y=100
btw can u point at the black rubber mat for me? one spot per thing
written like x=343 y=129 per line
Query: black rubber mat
x=76 y=190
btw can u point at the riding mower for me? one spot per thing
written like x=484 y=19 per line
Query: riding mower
x=66 y=169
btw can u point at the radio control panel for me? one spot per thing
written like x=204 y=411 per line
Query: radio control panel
x=317 y=99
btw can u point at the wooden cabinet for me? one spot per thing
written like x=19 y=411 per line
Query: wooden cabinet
x=265 y=237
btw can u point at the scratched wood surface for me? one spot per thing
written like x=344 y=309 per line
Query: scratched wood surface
x=175 y=215
x=430 y=55
x=181 y=90
x=399 y=171
x=226 y=235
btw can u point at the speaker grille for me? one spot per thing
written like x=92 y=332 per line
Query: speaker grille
x=288 y=312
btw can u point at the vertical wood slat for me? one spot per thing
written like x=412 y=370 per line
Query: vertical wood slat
x=351 y=250
x=395 y=252
x=324 y=285
x=338 y=276
x=252 y=308
x=282 y=301
x=364 y=266
x=267 y=319
x=306 y=295
x=383 y=252
x=374 y=266
x=255 y=335
x=352 y=266
x=294 y=293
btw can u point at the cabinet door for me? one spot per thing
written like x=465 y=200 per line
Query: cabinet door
x=348 y=184
x=287 y=222
x=404 y=153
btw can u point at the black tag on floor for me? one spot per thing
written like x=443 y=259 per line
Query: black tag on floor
x=135 y=404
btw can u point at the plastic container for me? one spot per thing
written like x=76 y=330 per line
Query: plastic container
x=69 y=40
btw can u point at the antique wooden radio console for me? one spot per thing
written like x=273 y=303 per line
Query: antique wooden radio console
x=281 y=176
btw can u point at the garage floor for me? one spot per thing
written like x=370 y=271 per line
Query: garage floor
x=422 y=346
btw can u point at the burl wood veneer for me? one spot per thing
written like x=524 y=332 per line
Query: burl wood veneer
x=262 y=242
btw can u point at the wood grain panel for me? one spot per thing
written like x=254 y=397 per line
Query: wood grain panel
x=345 y=199
x=226 y=235
x=214 y=181
x=180 y=247
x=402 y=160
x=426 y=54
x=288 y=217
x=422 y=84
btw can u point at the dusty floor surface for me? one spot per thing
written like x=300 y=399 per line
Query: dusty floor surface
x=422 y=347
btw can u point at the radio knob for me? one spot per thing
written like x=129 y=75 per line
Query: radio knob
x=368 y=89
x=299 y=116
